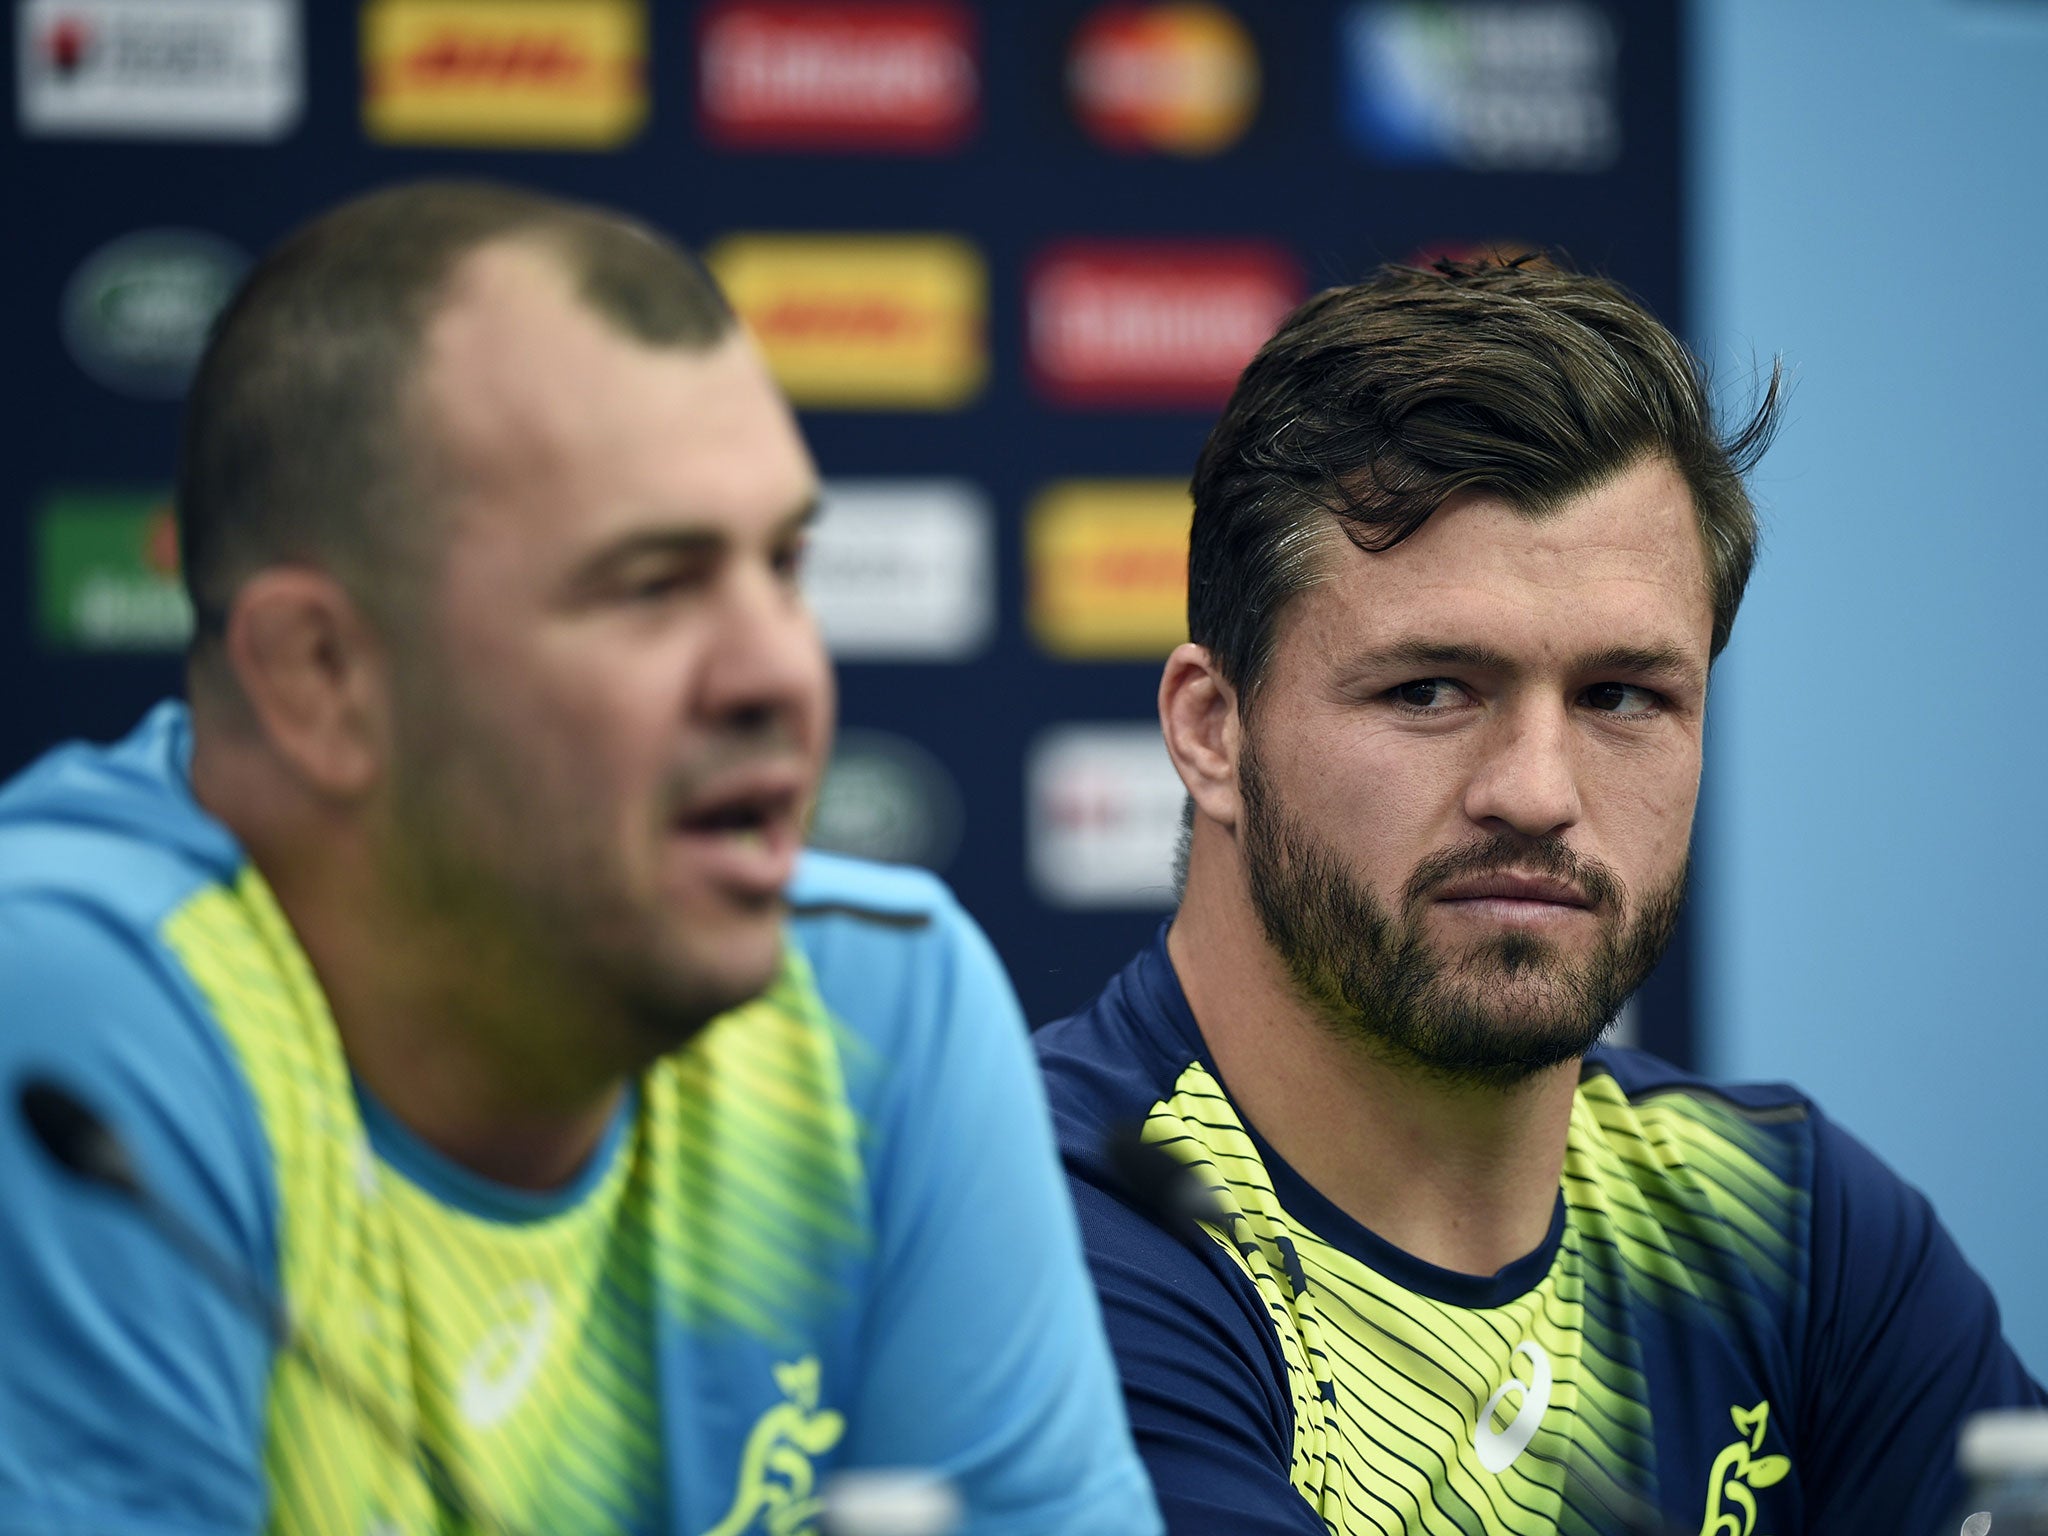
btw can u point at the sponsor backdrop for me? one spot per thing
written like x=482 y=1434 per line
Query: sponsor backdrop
x=1006 y=259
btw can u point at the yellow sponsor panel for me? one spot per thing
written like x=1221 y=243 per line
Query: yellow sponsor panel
x=567 y=74
x=1108 y=563
x=875 y=322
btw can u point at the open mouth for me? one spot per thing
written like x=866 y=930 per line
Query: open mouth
x=744 y=820
x=744 y=838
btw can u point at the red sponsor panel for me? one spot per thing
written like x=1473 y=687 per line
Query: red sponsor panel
x=1153 y=322
x=790 y=75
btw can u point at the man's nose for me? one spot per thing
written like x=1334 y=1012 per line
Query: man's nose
x=1526 y=780
x=767 y=664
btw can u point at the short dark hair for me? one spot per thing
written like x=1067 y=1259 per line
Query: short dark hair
x=1375 y=402
x=299 y=445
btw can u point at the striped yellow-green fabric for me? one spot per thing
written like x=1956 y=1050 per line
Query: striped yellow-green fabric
x=522 y=1353
x=1675 y=1195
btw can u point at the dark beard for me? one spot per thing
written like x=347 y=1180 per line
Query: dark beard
x=1371 y=975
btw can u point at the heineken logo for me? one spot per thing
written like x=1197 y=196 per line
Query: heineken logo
x=107 y=569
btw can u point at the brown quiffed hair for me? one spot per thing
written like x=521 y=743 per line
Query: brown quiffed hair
x=300 y=440
x=1375 y=402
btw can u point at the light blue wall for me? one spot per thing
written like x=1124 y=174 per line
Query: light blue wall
x=1873 y=204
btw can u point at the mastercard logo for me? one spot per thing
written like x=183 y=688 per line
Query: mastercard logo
x=1179 y=78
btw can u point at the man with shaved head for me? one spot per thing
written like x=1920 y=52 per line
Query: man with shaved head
x=451 y=979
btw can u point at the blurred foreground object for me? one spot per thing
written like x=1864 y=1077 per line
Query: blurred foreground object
x=2004 y=1454
x=891 y=1503
x=499 y=1120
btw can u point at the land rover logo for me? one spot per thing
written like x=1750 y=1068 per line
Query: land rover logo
x=136 y=312
x=885 y=797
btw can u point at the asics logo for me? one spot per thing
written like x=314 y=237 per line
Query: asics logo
x=1498 y=1448
x=503 y=1366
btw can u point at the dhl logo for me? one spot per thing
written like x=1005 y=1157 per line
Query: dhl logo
x=802 y=320
x=532 y=57
x=561 y=73
x=882 y=322
x=1125 y=571
x=1108 y=566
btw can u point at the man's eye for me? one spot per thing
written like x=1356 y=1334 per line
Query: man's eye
x=656 y=586
x=789 y=559
x=1432 y=693
x=1621 y=699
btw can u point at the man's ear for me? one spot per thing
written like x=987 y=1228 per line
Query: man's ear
x=1198 y=717
x=310 y=667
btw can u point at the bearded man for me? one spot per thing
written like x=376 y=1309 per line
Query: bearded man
x=1424 y=1256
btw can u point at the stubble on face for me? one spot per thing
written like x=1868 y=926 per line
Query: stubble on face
x=491 y=846
x=1491 y=1015
x=580 y=685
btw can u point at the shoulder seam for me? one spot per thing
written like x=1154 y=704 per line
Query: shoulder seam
x=1764 y=1114
x=880 y=916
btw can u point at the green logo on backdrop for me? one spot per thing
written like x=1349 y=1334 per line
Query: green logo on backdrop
x=137 y=310
x=107 y=573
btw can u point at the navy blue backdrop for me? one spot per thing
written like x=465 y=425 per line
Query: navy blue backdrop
x=1380 y=131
